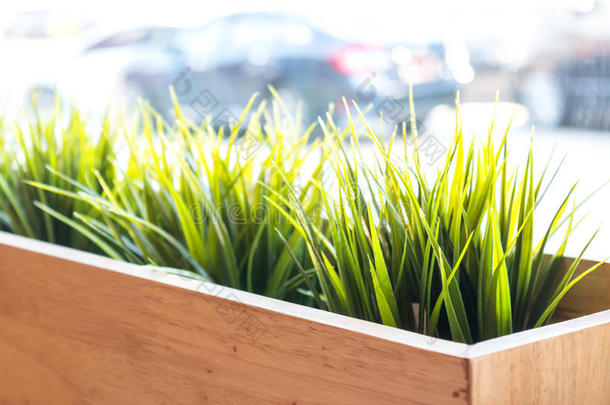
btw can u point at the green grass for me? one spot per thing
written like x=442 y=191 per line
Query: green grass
x=454 y=257
x=195 y=197
x=33 y=152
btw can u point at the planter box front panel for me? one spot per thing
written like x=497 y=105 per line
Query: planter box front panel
x=79 y=328
x=77 y=333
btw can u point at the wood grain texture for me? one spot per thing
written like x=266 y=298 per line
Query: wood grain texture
x=74 y=333
x=570 y=369
x=589 y=295
x=76 y=328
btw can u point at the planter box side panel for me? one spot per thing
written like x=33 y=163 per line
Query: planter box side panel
x=571 y=369
x=590 y=295
x=72 y=333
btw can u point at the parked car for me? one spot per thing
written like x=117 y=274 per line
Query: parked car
x=567 y=81
x=217 y=67
x=223 y=62
x=101 y=75
x=85 y=61
x=35 y=46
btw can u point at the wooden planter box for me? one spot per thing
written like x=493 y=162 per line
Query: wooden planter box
x=77 y=328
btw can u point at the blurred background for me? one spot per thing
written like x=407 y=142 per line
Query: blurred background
x=550 y=61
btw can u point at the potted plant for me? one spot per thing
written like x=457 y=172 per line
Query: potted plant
x=461 y=296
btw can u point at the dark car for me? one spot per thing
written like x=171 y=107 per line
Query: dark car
x=572 y=90
x=567 y=81
x=220 y=65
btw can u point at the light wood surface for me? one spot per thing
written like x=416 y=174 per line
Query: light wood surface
x=77 y=328
x=569 y=369
x=590 y=295
x=71 y=333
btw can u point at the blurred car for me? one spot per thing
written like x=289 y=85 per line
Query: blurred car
x=100 y=76
x=221 y=64
x=566 y=82
x=217 y=67
x=35 y=47
x=572 y=90
x=86 y=62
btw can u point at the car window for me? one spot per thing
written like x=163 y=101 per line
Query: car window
x=269 y=35
x=124 y=38
x=204 y=45
x=254 y=39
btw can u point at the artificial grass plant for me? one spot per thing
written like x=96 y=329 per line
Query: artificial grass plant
x=35 y=151
x=454 y=257
x=194 y=197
